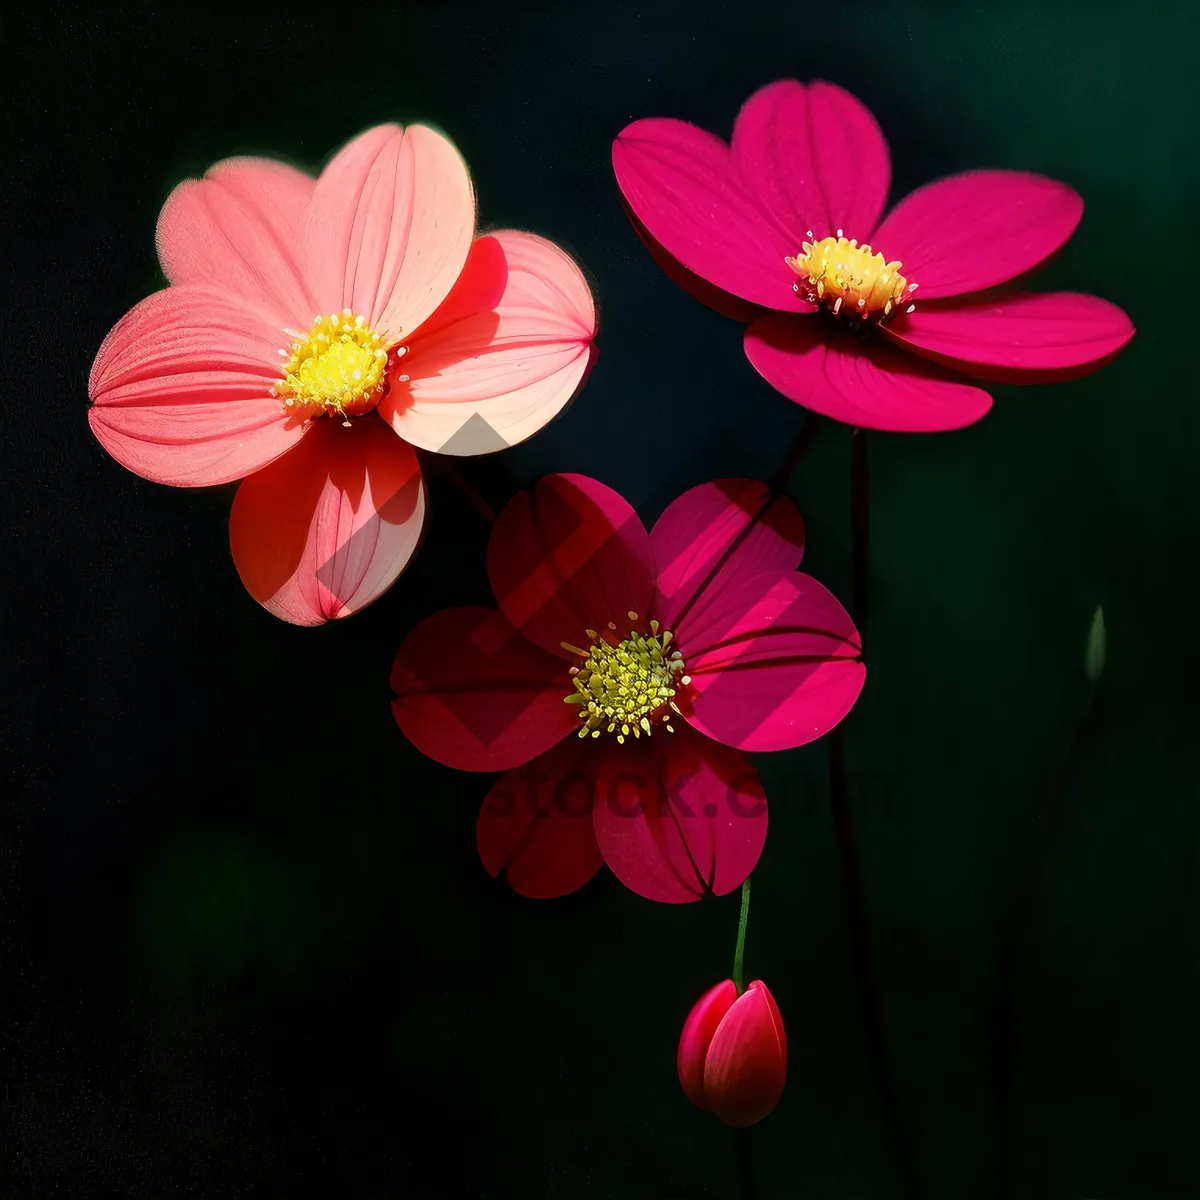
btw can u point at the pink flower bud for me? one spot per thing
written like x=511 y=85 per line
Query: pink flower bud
x=733 y=1053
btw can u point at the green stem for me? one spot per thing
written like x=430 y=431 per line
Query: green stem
x=739 y=953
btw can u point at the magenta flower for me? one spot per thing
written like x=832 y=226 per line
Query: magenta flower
x=675 y=651
x=863 y=318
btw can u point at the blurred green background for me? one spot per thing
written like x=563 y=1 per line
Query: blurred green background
x=249 y=949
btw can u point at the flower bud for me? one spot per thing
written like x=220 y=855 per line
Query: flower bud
x=733 y=1053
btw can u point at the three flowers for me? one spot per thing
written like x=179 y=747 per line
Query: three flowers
x=317 y=333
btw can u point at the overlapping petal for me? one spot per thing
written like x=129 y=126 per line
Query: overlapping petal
x=775 y=664
x=327 y=529
x=180 y=389
x=241 y=228
x=567 y=557
x=390 y=225
x=746 y=1065
x=1020 y=337
x=977 y=230
x=816 y=156
x=536 y=824
x=473 y=694
x=680 y=183
x=677 y=816
x=859 y=381
x=713 y=537
x=698 y=1030
x=509 y=349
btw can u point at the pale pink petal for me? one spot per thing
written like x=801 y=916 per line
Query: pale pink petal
x=567 y=557
x=860 y=381
x=776 y=663
x=321 y=533
x=976 y=230
x=713 y=537
x=241 y=228
x=1020 y=338
x=391 y=223
x=536 y=824
x=473 y=694
x=180 y=389
x=816 y=156
x=488 y=379
x=677 y=815
x=681 y=185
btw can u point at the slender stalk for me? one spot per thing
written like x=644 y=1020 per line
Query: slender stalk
x=465 y=489
x=854 y=903
x=739 y=952
x=1036 y=841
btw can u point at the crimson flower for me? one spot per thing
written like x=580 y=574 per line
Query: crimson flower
x=424 y=335
x=732 y=1057
x=675 y=651
x=863 y=317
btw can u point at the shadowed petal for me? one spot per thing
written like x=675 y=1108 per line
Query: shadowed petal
x=326 y=530
x=681 y=185
x=816 y=156
x=569 y=557
x=977 y=230
x=859 y=380
x=677 y=815
x=536 y=824
x=180 y=389
x=473 y=694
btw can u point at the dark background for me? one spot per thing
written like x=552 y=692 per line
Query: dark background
x=247 y=945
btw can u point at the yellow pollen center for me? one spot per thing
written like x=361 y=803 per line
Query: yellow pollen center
x=337 y=367
x=623 y=687
x=851 y=280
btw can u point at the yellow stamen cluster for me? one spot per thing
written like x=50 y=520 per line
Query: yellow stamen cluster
x=851 y=280
x=624 y=687
x=337 y=367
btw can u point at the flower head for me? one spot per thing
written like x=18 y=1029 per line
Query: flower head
x=314 y=332
x=732 y=1058
x=872 y=323
x=623 y=679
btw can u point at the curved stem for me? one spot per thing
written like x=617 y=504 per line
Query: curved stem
x=857 y=915
x=739 y=952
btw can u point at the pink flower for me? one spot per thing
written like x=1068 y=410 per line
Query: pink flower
x=424 y=335
x=732 y=1057
x=675 y=650
x=863 y=317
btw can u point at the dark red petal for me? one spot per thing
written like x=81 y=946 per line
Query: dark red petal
x=572 y=556
x=536 y=824
x=473 y=694
x=677 y=815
